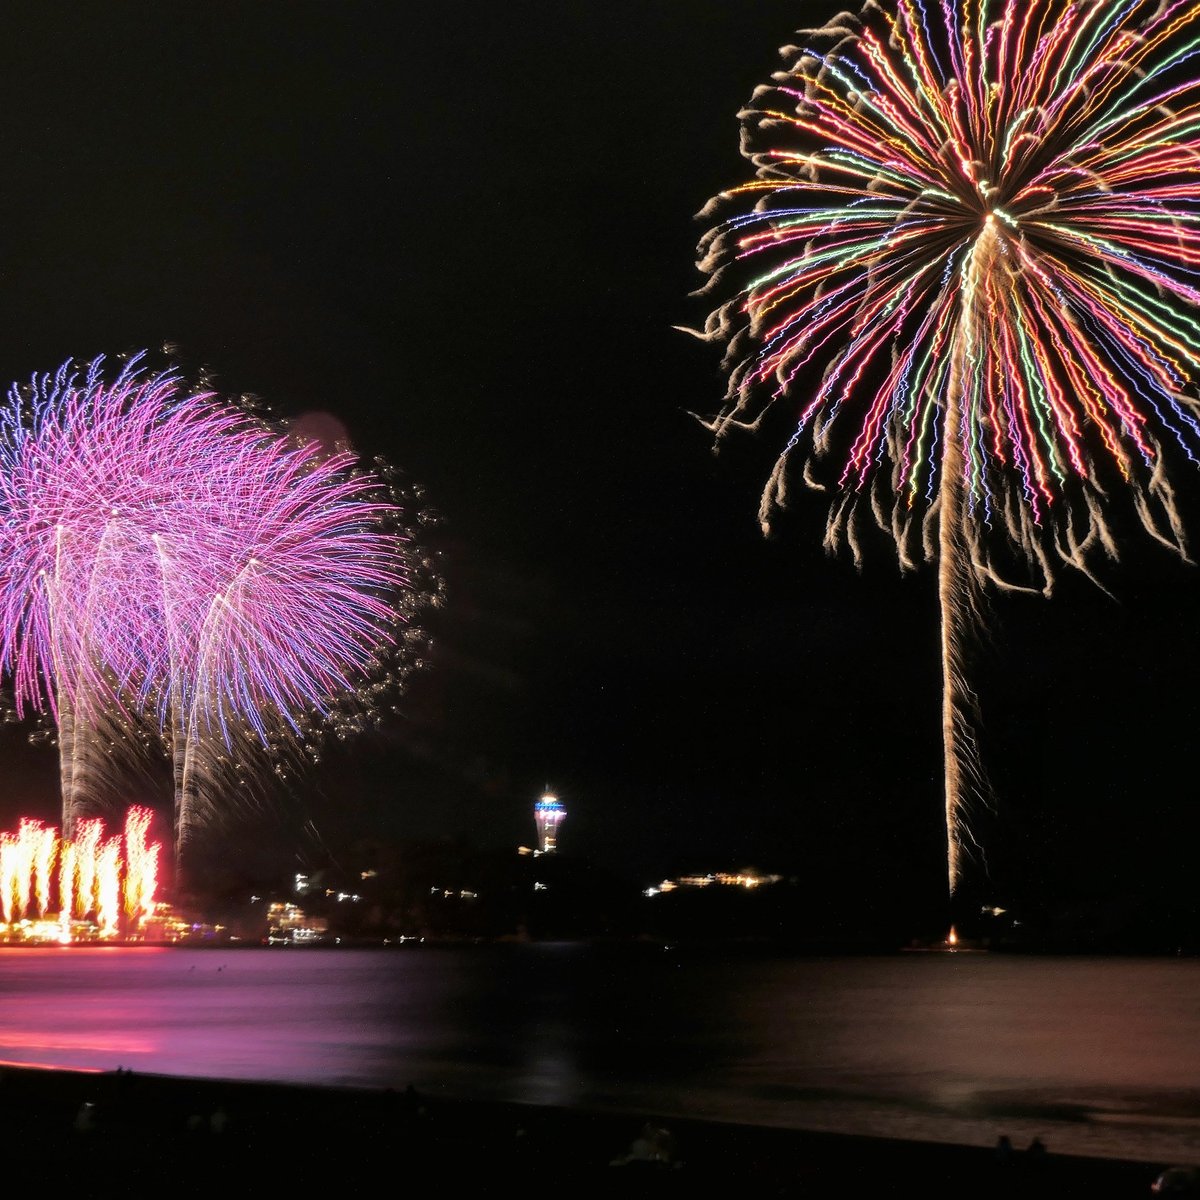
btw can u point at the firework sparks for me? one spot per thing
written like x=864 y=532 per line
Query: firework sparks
x=967 y=270
x=88 y=469
x=173 y=560
x=68 y=875
x=85 y=877
x=281 y=599
x=87 y=862
x=141 y=865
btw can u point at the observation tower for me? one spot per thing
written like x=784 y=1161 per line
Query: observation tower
x=548 y=814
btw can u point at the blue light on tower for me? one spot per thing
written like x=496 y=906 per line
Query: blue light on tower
x=548 y=814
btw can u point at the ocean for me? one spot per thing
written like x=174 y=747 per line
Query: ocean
x=1095 y=1056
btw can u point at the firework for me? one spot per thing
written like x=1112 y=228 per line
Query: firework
x=964 y=277
x=85 y=876
x=141 y=865
x=89 y=469
x=174 y=561
x=283 y=596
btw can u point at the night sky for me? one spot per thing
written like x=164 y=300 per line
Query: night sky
x=466 y=232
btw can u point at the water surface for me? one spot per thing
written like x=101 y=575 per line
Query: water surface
x=1097 y=1056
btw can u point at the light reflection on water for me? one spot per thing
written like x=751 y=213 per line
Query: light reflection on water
x=1095 y=1056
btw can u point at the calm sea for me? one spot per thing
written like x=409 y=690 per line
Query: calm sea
x=1095 y=1056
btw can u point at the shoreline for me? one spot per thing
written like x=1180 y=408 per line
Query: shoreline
x=119 y=1133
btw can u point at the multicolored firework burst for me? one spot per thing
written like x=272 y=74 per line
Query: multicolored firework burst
x=172 y=560
x=89 y=468
x=969 y=274
x=285 y=595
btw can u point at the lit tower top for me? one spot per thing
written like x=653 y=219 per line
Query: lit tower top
x=548 y=813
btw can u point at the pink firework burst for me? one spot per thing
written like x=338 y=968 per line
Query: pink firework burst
x=169 y=558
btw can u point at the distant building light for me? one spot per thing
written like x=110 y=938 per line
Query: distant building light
x=742 y=879
x=548 y=815
x=289 y=923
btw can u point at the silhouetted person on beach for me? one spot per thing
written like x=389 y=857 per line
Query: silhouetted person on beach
x=414 y=1104
x=652 y=1145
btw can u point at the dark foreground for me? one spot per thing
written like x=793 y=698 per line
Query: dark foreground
x=128 y=1135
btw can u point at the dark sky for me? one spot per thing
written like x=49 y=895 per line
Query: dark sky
x=466 y=230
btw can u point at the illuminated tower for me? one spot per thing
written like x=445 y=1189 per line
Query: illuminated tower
x=548 y=814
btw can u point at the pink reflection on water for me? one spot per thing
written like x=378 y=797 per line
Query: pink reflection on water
x=72 y=1007
x=14 y=1039
x=41 y=1066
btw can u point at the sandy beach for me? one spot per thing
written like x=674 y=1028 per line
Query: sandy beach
x=125 y=1134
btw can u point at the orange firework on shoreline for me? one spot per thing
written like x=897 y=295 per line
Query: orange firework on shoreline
x=94 y=886
x=141 y=865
